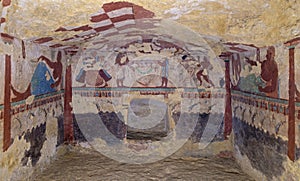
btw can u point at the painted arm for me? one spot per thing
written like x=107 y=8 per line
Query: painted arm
x=48 y=62
x=21 y=95
x=57 y=66
x=269 y=88
x=56 y=83
x=57 y=74
x=251 y=62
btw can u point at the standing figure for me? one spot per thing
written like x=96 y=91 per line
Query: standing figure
x=42 y=82
x=269 y=74
x=164 y=72
x=121 y=69
x=202 y=73
x=121 y=61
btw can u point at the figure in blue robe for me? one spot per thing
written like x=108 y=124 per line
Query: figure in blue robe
x=41 y=80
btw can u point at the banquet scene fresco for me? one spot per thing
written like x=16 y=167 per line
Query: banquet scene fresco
x=140 y=87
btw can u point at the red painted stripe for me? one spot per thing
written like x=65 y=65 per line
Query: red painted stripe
x=82 y=28
x=23 y=50
x=67 y=39
x=122 y=18
x=291 y=106
x=7 y=105
x=56 y=45
x=6 y=37
x=43 y=40
x=115 y=6
x=228 y=109
x=61 y=29
x=68 y=117
x=294 y=41
x=98 y=18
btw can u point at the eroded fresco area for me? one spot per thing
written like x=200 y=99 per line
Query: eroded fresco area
x=246 y=21
x=115 y=125
x=152 y=61
x=36 y=103
x=259 y=78
x=156 y=70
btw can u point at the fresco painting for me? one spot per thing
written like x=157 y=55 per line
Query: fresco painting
x=145 y=63
x=253 y=73
x=261 y=70
x=202 y=74
x=269 y=74
x=41 y=80
x=91 y=74
x=46 y=78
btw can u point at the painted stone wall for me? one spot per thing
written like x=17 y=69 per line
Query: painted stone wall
x=34 y=138
x=153 y=64
x=36 y=105
x=260 y=112
x=140 y=66
x=103 y=117
x=259 y=78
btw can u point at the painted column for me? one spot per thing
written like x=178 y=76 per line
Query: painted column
x=291 y=106
x=7 y=95
x=7 y=105
x=68 y=117
x=228 y=109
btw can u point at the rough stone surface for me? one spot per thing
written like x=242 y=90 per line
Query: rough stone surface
x=262 y=149
x=36 y=137
x=202 y=122
x=258 y=22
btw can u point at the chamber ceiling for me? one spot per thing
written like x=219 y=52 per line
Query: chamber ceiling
x=86 y=25
x=253 y=22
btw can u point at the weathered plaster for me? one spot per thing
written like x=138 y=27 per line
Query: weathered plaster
x=262 y=23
